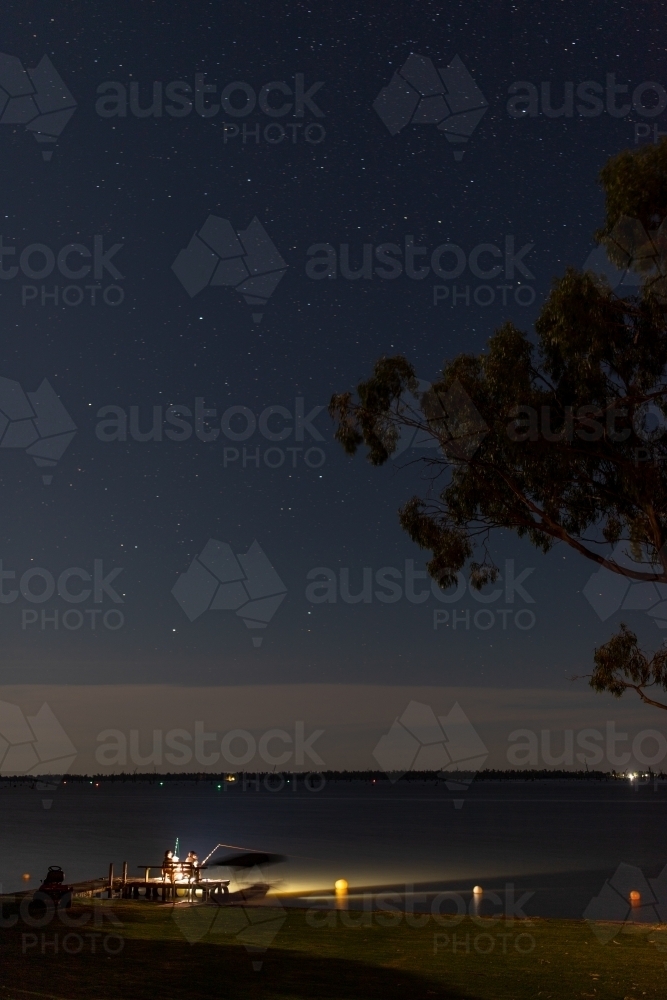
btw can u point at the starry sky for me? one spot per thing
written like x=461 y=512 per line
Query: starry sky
x=148 y=182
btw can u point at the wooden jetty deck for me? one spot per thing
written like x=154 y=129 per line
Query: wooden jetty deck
x=184 y=883
x=190 y=888
x=181 y=883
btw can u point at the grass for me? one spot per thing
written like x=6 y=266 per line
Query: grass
x=188 y=953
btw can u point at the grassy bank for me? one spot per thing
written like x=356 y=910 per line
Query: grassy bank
x=204 y=952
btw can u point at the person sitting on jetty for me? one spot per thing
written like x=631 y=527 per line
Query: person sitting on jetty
x=191 y=865
x=168 y=866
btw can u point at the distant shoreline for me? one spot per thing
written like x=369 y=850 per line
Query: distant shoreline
x=245 y=778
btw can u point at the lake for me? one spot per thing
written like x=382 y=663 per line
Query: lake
x=559 y=840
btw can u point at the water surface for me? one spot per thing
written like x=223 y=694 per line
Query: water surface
x=559 y=840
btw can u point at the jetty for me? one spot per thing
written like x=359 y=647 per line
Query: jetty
x=175 y=881
x=183 y=884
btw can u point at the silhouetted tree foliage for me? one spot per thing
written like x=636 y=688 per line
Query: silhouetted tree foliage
x=558 y=437
x=620 y=665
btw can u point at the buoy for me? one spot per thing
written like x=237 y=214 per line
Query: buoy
x=340 y=885
x=25 y=877
x=635 y=897
x=478 y=890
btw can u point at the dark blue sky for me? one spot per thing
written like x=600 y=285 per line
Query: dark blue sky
x=336 y=177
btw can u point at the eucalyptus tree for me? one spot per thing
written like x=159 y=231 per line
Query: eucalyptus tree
x=557 y=436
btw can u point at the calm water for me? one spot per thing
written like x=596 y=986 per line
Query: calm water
x=557 y=840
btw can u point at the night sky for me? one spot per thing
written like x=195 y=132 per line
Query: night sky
x=337 y=176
